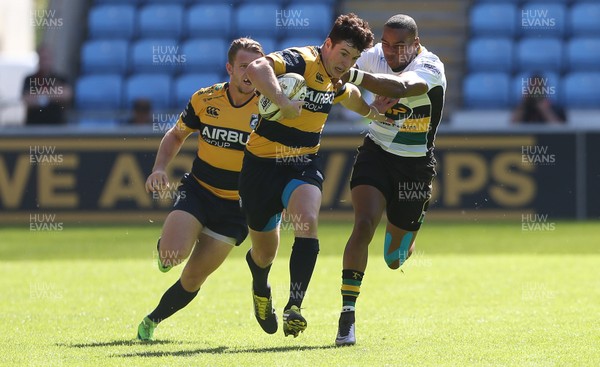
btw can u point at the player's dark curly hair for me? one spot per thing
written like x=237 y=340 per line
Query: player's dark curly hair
x=244 y=43
x=352 y=29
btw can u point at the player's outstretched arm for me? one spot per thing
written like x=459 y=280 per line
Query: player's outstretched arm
x=168 y=149
x=262 y=75
x=407 y=84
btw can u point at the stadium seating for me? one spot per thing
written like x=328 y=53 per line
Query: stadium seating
x=156 y=56
x=540 y=19
x=209 y=20
x=205 y=54
x=535 y=54
x=583 y=19
x=490 y=54
x=157 y=20
x=583 y=54
x=112 y=21
x=308 y=20
x=486 y=90
x=300 y=41
x=155 y=87
x=549 y=84
x=581 y=90
x=187 y=84
x=497 y=20
x=182 y=44
x=104 y=56
x=98 y=91
x=256 y=20
x=269 y=44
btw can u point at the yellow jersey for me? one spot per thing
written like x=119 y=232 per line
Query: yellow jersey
x=302 y=135
x=223 y=133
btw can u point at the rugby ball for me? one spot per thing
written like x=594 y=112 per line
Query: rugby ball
x=292 y=85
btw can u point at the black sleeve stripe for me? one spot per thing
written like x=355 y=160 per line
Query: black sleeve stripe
x=294 y=62
x=189 y=117
x=340 y=91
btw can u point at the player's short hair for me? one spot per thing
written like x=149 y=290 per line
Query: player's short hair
x=403 y=21
x=244 y=43
x=352 y=29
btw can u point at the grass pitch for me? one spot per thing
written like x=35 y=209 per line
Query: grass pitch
x=472 y=295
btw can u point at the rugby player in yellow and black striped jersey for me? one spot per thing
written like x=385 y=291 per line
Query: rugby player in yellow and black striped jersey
x=281 y=168
x=206 y=216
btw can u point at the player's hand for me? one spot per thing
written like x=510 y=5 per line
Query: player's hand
x=157 y=181
x=383 y=103
x=292 y=109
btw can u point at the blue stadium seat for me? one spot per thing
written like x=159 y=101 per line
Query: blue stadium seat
x=307 y=20
x=549 y=84
x=583 y=19
x=300 y=42
x=156 y=56
x=269 y=44
x=581 y=90
x=182 y=2
x=497 y=20
x=187 y=84
x=543 y=20
x=490 y=54
x=131 y=2
x=104 y=56
x=205 y=55
x=256 y=20
x=583 y=54
x=540 y=54
x=98 y=91
x=209 y=20
x=486 y=91
x=157 y=20
x=112 y=21
x=155 y=87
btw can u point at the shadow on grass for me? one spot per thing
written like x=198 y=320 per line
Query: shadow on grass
x=221 y=350
x=122 y=342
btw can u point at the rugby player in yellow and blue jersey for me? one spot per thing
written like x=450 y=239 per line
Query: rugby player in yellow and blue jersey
x=206 y=220
x=281 y=168
x=395 y=165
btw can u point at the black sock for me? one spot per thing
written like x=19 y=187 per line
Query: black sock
x=260 y=275
x=174 y=299
x=302 y=263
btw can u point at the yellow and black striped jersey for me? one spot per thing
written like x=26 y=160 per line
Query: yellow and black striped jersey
x=223 y=133
x=302 y=135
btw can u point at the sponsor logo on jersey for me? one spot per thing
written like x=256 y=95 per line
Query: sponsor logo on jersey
x=225 y=138
x=399 y=112
x=432 y=68
x=318 y=101
x=319 y=78
x=212 y=111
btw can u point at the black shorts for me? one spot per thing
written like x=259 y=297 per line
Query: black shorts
x=221 y=216
x=263 y=180
x=405 y=182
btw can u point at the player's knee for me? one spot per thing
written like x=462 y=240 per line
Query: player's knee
x=192 y=281
x=305 y=225
x=364 y=227
x=263 y=257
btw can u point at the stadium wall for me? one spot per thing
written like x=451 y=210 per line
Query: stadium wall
x=90 y=178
